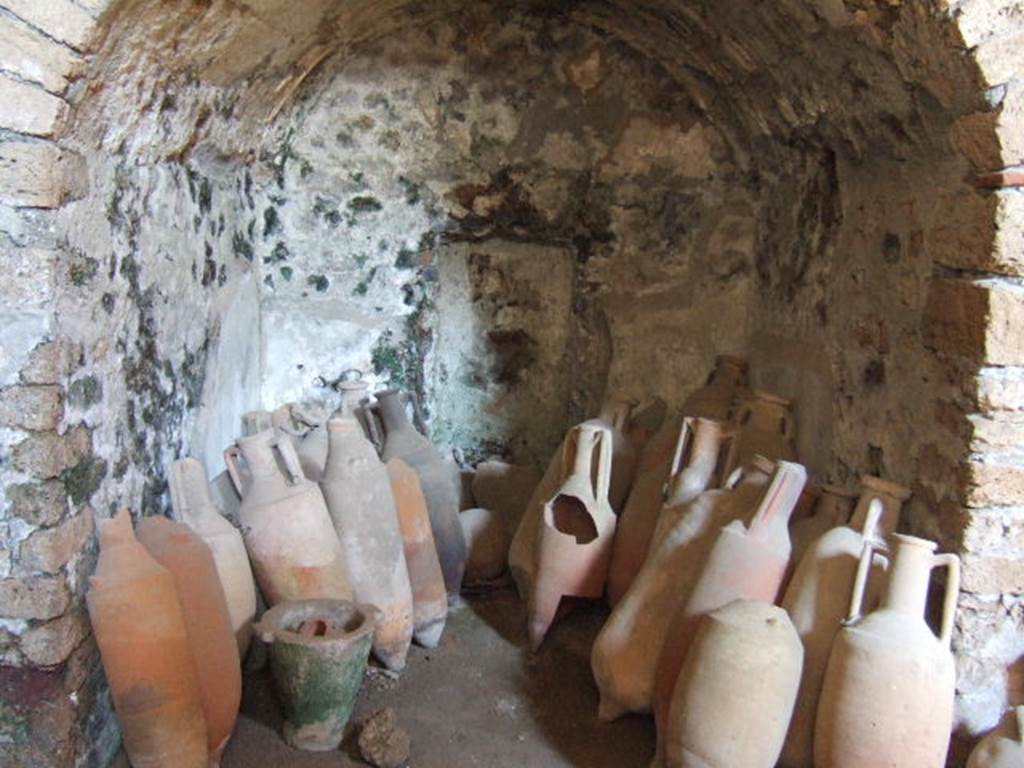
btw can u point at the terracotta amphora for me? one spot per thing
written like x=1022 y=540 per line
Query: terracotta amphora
x=140 y=630
x=358 y=494
x=574 y=544
x=891 y=496
x=765 y=426
x=816 y=600
x=207 y=620
x=999 y=750
x=310 y=434
x=614 y=416
x=190 y=499
x=506 y=489
x=402 y=441
x=318 y=655
x=831 y=509
x=625 y=655
x=430 y=600
x=887 y=699
x=746 y=562
x=644 y=423
x=487 y=541
x=716 y=399
x=664 y=455
x=287 y=530
x=736 y=691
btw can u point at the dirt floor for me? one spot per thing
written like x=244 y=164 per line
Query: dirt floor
x=480 y=699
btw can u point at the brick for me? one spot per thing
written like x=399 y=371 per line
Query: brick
x=26 y=108
x=996 y=431
x=40 y=597
x=979 y=231
x=33 y=57
x=40 y=174
x=52 y=643
x=994 y=480
x=50 y=363
x=37 y=407
x=45 y=455
x=41 y=504
x=978 y=319
x=992 y=575
x=50 y=549
x=60 y=19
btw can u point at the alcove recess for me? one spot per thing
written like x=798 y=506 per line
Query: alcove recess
x=507 y=209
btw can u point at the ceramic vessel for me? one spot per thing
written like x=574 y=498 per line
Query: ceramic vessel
x=747 y=562
x=487 y=541
x=506 y=489
x=190 y=499
x=144 y=645
x=318 y=655
x=765 y=426
x=430 y=601
x=358 y=494
x=207 y=621
x=816 y=602
x=888 y=693
x=287 y=530
x=832 y=508
x=614 y=416
x=891 y=496
x=403 y=442
x=625 y=655
x=716 y=399
x=998 y=750
x=310 y=435
x=736 y=691
x=645 y=422
x=578 y=524
x=694 y=444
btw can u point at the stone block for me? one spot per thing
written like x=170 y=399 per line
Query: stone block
x=49 y=549
x=1000 y=389
x=60 y=19
x=38 y=597
x=994 y=531
x=50 y=363
x=30 y=277
x=40 y=174
x=994 y=480
x=45 y=455
x=981 y=20
x=26 y=108
x=41 y=504
x=34 y=57
x=992 y=575
x=52 y=643
x=996 y=431
x=978 y=319
x=980 y=231
x=36 y=407
x=1001 y=58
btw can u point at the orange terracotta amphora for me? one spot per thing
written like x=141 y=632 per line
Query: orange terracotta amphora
x=574 y=543
x=717 y=398
x=765 y=426
x=747 y=562
x=430 y=599
x=887 y=698
x=287 y=530
x=144 y=644
x=359 y=498
x=190 y=499
x=207 y=620
x=831 y=508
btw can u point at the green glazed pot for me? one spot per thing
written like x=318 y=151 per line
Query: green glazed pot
x=318 y=655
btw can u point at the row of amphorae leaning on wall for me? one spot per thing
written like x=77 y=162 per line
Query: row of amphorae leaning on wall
x=762 y=620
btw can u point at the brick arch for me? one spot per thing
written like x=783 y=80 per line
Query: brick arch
x=51 y=82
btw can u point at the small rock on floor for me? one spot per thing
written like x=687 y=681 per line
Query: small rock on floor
x=381 y=742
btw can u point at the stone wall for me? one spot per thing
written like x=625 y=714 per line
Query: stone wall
x=828 y=186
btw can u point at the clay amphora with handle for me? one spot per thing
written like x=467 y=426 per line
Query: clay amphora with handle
x=578 y=524
x=287 y=530
x=430 y=600
x=887 y=698
x=832 y=508
x=190 y=499
x=716 y=399
x=736 y=691
x=207 y=620
x=140 y=631
x=765 y=426
x=358 y=494
x=402 y=441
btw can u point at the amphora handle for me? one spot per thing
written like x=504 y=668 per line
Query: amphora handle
x=868 y=556
x=952 y=563
x=231 y=455
x=786 y=486
x=286 y=450
x=603 y=441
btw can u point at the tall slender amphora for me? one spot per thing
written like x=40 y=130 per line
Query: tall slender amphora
x=816 y=599
x=403 y=442
x=887 y=699
x=285 y=524
x=765 y=426
x=358 y=494
x=715 y=400
x=147 y=657
x=190 y=498
x=205 y=610
x=574 y=543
